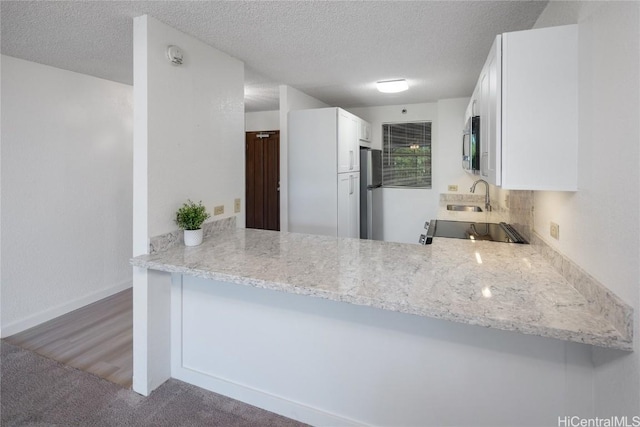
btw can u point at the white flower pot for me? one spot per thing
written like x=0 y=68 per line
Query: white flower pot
x=193 y=237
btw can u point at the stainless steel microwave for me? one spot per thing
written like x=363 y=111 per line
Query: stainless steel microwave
x=471 y=145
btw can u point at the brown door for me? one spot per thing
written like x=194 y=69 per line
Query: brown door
x=263 y=180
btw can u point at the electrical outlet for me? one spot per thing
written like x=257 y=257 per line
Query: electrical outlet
x=236 y=206
x=554 y=230
x=453 y=188
x=218 y=210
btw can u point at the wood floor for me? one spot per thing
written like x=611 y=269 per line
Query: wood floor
x=97 y=338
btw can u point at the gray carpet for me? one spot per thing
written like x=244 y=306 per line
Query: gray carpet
x=36 y=391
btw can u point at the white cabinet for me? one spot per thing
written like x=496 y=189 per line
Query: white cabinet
x=489 y=88
x=348 y=146
x=323 y=175
x=349 y=205
x=364 y=133
x=528 y=107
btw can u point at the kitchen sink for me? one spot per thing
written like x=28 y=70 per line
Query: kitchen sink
x=465 y=208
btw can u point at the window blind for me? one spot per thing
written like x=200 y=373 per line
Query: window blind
x=406 y=155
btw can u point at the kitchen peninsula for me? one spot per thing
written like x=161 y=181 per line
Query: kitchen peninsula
x=250 y=319
x=502 y=286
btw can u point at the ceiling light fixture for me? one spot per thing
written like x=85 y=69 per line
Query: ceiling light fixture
x=392 y=86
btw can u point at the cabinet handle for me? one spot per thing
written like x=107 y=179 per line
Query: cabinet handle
x=350 y=160
x=350 y=184
x=473 y=108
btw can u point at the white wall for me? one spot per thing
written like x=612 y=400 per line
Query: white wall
x=600 y=224
x=262 y=120
x=451 y=121
x=66 y=196
x=195 y=128
x=406 y=209
x=448 y=154
x=290 y=99
x=188 y=143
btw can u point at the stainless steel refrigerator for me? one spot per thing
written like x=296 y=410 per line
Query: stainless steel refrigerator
x=370 y=183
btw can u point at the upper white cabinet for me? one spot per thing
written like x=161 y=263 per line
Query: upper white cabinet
x=364 y=133
x=527 y=96
x=348 y=146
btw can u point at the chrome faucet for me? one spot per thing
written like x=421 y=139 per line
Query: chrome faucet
x=487 y=202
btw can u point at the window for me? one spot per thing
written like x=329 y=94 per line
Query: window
x=406 y=155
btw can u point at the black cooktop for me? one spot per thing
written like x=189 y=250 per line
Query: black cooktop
x=495 y=232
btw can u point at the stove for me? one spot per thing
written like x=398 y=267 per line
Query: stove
x=494 y=232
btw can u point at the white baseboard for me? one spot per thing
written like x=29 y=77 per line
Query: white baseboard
x=51 y=313
x=276 y=404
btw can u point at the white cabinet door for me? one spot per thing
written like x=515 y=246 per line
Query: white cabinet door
x=540 y=109
x=354 y=206
x=355 y=143
x=349 y=205
x=348 y=143
x=343 y=204
x=483 y=112
x=490 y=111
x=365 y=131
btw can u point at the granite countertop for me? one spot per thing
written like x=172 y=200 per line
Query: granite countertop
x=503 y=286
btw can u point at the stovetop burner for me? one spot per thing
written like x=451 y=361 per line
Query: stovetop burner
x=494 y=232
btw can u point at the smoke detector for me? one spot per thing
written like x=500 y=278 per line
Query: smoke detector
x=174 y=53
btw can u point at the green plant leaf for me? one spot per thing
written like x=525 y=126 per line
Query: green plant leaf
x=191 y=215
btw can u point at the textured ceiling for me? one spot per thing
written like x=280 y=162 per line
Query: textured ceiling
x=334 y=51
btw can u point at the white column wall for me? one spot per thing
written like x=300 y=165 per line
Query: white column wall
x=188 y=144
x=66 y=195
x=600 y=223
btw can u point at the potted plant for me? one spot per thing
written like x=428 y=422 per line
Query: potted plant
x=190 y=218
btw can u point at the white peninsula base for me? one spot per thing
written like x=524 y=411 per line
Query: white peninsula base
x=331 y=363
